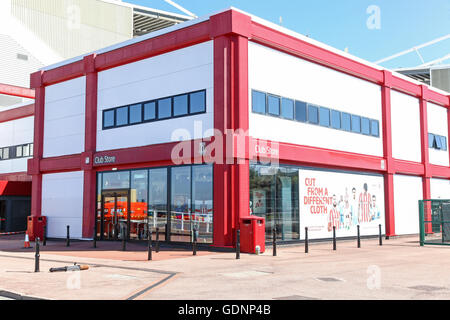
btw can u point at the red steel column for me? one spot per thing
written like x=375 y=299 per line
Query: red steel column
x=425 y=151
x=38 y=144
x=230 y=31
x=89 y=186
x=387 y=151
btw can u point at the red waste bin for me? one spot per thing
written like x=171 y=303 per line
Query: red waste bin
x=253 y=234
x=35 y=227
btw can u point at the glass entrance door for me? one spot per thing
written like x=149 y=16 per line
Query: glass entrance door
x=114 y=216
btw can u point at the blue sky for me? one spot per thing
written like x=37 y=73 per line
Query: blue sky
x=343 y=23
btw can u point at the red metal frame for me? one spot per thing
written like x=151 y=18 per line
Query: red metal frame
x=16 y=91
x=231 y=31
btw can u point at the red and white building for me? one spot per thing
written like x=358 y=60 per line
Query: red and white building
x=350 y=143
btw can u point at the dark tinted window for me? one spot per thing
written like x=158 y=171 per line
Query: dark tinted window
x=274 y=105
x=258 y=102
x=198 y=102
x=108 y=118
x=287 y=108
x=150 y=111
x=335 y=119
x=300 y=111
x=365 y=126
x=180 y=105
x=324 y=117
x=374 y=128
x=313 y=114
x=356 y=124
x=136 y=113
x=164 y=108
x=346 y=121
x=122 y=116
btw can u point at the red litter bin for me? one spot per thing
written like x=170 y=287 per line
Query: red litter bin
x=35 y=227
x=253 y=234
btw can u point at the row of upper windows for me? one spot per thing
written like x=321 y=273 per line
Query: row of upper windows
x=265 y=103
x=437 y=142
x=15 y=152
x=156 y=110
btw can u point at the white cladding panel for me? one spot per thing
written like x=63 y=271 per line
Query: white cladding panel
x=282 y=74
x=64 y=119
x=407 y=193
x=14 y=133
x=62 y=203
x=186 y=70
x=437 y=124
x=440 y=189
x=405 y=123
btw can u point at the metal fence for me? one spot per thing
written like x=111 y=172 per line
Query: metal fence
x=434 y=225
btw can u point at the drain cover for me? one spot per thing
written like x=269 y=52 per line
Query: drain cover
x=295 y=297
x=329 y=279
x=427 y=288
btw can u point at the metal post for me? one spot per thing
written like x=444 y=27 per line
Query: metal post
x=359 y=237
x=95 y=232
x=238 y=244
x=68 y=237
x=381 y=238
x=306 y=240
x=194 y=243
x=44 y=240
x=149 y=239
x=274 y=242
x=334 y=238
x=124 y=239
x=36 y=256
x=157 y=240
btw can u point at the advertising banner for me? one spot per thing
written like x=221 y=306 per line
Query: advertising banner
x=343 y=200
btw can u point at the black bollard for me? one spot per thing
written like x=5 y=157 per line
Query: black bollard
x=157 y=240
x=44 y=240
x=68 y=237
x=334 y=238
x=194 y=243
x=238 y=244
x=274 y=242
x=124 y=239
x=36 y=256
x=381 y=238
x=306 y=240
x=359 y=237
x=149 y=238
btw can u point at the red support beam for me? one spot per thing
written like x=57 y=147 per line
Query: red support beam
x=17 y=113
x=16 y=91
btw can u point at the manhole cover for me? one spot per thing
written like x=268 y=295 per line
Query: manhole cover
x=329 y=279
x=295 y=297
x=246 y=274
x=427 y=288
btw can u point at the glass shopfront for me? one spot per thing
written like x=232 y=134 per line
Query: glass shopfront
x=274 y=193
x=172 y=201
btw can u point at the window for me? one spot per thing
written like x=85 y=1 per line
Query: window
x=165 y=108
x=374 y=128
x=258 y=102
x=197 y=102
x=31 y=149
x=180 y=105
x=431 y=140
x=122 y=116
x=1 y=154
x=300 y=111
x=135 y=113
x=274 y=105
x=26 y=150
x=108 y=119
x=444 y=143
x=313 y=114
x=324 y=117
x=5 y=153
x=287 y=108
x=150 y=111
x=19 y=151
x=356 y=124
x=365 y=126
x=346 y=121
x=437 y=142
x=335 y=119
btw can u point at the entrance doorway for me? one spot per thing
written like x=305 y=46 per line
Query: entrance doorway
x=113 y=215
